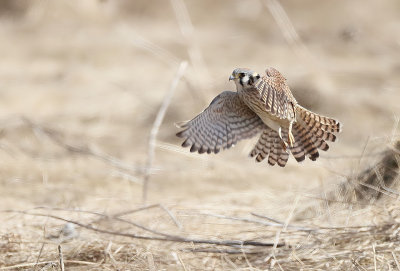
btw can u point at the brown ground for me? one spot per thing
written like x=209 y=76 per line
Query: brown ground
x=82 y=81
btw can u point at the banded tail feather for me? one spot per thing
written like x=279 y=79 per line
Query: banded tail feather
x=311 y=132
x=306 y=141
x=318 y=122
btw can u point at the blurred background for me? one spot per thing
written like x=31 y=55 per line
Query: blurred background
x=81 y=83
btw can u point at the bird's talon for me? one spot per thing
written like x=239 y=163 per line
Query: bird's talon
x=284 y=146
x=291 y=140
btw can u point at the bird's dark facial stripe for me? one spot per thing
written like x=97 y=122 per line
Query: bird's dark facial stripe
x=248 y=79
x=253 y=79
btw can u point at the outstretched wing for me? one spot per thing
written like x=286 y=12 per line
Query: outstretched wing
x=276 y=95
x=222 y=124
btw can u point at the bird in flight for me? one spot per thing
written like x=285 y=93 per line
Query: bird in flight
x=261 y=105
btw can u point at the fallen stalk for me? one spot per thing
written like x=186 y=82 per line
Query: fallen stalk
x=167 y=237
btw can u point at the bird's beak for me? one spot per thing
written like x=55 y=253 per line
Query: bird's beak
x=231 y=77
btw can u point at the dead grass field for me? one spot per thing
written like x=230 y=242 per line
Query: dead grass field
x=81 y=83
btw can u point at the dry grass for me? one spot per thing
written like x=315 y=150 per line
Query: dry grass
x=83 y=89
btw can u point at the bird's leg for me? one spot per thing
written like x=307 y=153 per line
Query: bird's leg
x=283 y=143
x=291 y=139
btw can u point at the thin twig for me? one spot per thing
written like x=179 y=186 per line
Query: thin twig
x=246 y=259
x=119 y=214
x=181 y=262
x=242 y=219
x=42 y=247
x=109 y=254
x=138 y=41
x=55 y=136
x=285 y=225
x=135 y=210
x=156 y=126
x=268 y=218
x=339 y=201
x=293 y=39
x=357 y=168
x=60 y=254
x=40 y=254
x=377 y=189
x=150 y=261
x=258 y=222
x=171 y=215
x=23 y=265
x=395 y=127
x=285 y=25
x=222 y=251
x=357 y=265
x=395 y=260
x=109 y=217
x=187 y=30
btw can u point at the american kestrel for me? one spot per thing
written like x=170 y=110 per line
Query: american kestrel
x=260 y=105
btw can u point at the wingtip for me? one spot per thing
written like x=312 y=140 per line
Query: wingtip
x=186 y=143
x=180 y=134
x=300 y=159
x=181 y=124
x=340 y=126
x=314 y=156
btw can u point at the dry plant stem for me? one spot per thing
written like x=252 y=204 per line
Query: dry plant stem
x=40 y=254
x=60 y=254
x=43 y=244
x=377 y=189
x=266 y=217
x=395 y=127
x=395 y=259
x=181 y=262
x=171 y=215
x=387 y=189
x=138 y=41
x=110 y=255
x=24 y=265
x=156 y=126
x=280 y=224
x=311 y=229
x=54 y=136
x=109 y=217
x=162 y=207
x=356 y=264
x=287 y=28
x=356 y=203
x=120 y=213
x=278 y=234
x=167 y=237
x=222 y=251
x=187 y=30
x=259 y=222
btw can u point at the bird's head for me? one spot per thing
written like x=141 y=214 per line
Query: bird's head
x=244 y=77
